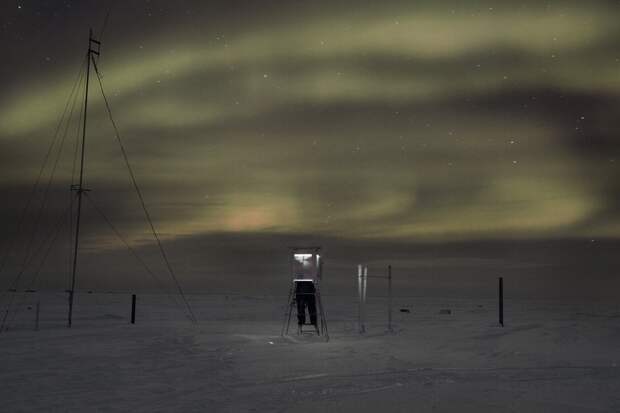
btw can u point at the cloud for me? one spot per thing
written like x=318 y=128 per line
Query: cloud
x=409 y=122
x=428 y=34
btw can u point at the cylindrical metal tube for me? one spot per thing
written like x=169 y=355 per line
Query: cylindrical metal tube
x=360 y=314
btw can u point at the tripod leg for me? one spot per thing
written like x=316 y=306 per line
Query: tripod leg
x=287 y=317
x=322 y=315
x=290 y=312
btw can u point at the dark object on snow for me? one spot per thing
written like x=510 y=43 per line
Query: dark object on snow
x=133 y=309
x=90 y=291
x=31 y=291
x=405 y=310
x=501 y=301
x=445 y=311
x=305 y=297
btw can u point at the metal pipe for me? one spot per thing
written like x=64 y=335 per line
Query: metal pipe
x=364 y=285
x=80 y=188
x=360 y=315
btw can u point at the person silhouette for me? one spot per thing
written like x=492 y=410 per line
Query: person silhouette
x=305 y=298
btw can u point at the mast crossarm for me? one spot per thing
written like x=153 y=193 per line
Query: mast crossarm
x=77 y=188
x=94 y=46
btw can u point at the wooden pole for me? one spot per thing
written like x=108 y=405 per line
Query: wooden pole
x=390 y=298
x=133 y=309
x=501 y=301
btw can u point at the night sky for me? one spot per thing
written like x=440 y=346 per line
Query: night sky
x=458 y=140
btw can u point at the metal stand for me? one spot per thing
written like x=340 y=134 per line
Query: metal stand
x=321 y=327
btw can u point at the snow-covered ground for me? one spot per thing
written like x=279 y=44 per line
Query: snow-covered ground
x=550 y=357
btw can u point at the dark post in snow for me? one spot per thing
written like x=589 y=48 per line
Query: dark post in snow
x=501 y=301
x=133 y=309
x=36 y=322
x=390 y=298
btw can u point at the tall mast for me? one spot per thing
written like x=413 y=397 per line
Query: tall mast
x=93 y=49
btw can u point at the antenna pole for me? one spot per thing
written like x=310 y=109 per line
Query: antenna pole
x=79 y=188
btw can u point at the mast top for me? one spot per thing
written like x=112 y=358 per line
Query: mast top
x=94 y=45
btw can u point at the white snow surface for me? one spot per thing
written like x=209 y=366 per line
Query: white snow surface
x=550 y=356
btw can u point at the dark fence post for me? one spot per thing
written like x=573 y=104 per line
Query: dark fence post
x=390 y=298
x=133 y=309
x=36 y=323
x=501 y=301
